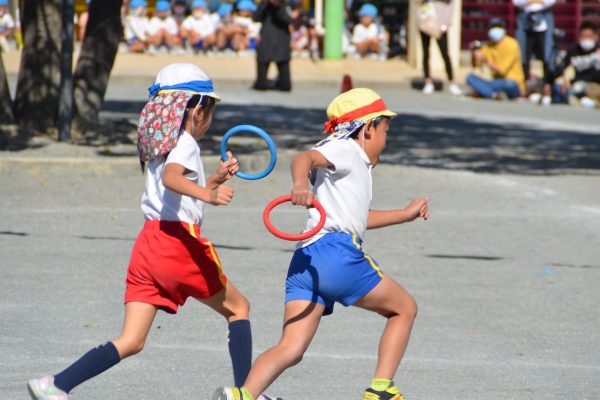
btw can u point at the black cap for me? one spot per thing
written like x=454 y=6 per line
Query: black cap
x=497 y=22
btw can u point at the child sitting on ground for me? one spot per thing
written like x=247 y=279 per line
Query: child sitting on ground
x=162 y=29
x=136 y=25
x=368 y=37
x=7 y=27
x=199 y=29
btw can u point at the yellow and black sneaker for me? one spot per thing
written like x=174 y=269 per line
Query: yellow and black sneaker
x=390 y=393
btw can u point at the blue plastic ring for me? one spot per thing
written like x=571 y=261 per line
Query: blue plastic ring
x=257 y=131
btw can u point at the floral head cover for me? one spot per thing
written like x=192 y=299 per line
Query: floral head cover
x=161 y=119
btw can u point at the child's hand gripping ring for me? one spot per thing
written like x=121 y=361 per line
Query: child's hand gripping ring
x=257 y=131
x=289 y=236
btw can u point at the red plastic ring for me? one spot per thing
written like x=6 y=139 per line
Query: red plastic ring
x=291 y=236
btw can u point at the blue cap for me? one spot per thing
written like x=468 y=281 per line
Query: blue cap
x=138 y=3
x=246 y=5
x=163 y=5
x=198 y=4
x=3 y=3
x=367 y=10
x=225 y=9
x=213 y=6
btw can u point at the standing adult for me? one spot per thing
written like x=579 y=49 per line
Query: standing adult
x=274 y=44
x=535 y=34
x=434 y=21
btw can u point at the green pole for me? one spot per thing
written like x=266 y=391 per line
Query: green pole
x=334 y=26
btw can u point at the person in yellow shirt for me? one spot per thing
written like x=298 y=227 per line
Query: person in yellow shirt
x=502 y=55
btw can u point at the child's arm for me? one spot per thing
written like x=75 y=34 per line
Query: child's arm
x=224 y=172
x=417 y=208
x=301 y=166
x=173 y=179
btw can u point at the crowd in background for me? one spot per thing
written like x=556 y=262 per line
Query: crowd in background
x=228 y=27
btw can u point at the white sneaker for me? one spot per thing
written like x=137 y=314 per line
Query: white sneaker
x=587 y=102
x=546 y=100
x=535 y=98
x=454 y=89
x=44 y=389
x=428 y=88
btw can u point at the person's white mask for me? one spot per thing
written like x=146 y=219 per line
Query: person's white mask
x=587 y=44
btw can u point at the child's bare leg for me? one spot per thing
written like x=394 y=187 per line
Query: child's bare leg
x=230 y=303
x=209 y=41
x=392 y=301
x=138 y=320
x=301 y=321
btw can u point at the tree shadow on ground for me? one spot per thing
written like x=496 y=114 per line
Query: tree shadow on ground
x=454 y=143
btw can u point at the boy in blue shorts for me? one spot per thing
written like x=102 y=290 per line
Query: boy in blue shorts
x=332 y=266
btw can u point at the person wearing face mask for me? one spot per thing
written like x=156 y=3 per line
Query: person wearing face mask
x=535 y=33
x=162 y=29
x=584 y=57
x=502 y=55
x=199 y=29
x=136 y=25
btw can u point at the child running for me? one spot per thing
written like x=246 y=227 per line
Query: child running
x=332 y=266
x=170 y=261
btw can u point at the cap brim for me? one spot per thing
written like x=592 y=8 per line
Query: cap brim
x=385 y=113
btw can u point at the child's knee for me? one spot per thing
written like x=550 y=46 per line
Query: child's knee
x=292 y=353
x=128 y=347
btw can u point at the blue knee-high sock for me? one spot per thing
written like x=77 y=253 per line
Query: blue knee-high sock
x=92 y=363
x=240 y=349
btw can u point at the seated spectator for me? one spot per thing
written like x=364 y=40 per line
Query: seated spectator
x=82 y=22
x=135 y=26
x=367 y=36
x=226 y=28
x=179 y=12
x=584 y=58
x=7 y=27
x=162 y=29
x=300 y=33
x=502 y=55
x=246 y=31
x=199 y=28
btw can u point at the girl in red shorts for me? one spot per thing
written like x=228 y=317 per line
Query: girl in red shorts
x=170 y=261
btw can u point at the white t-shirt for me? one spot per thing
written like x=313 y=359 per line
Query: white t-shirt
x=6 y=22
x=204 y=25
x=248 y=23
x=156 y=24
x=160 y=203
x=135 y=28
x=345 y=191
x=362 y=32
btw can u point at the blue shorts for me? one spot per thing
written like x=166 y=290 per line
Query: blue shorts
x=334 y=268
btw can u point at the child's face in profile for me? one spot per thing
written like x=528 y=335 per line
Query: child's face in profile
x=375 y=139
x=202 y=120
x=366 y=20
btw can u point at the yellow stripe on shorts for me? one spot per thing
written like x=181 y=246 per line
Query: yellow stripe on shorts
x=216 y=259
x=371 y=262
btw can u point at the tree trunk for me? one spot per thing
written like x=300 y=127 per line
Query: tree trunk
x=6 y=111
x=38 y=84
x=98 y=52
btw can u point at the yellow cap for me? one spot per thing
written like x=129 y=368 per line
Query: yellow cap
x=358 y=104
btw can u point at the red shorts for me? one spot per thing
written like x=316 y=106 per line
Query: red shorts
x=171 y=262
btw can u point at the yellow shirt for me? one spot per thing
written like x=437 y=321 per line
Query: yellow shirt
x=506 y=55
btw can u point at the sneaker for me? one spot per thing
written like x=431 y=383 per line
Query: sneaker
x=265 y=397
x=454 y=89
x=390 y=393
x=229 y=393
x=428 y=88
x=546 y=100
x=44 y=389
x=587 y=102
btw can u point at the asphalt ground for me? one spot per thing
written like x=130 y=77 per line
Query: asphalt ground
x=505 y=272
